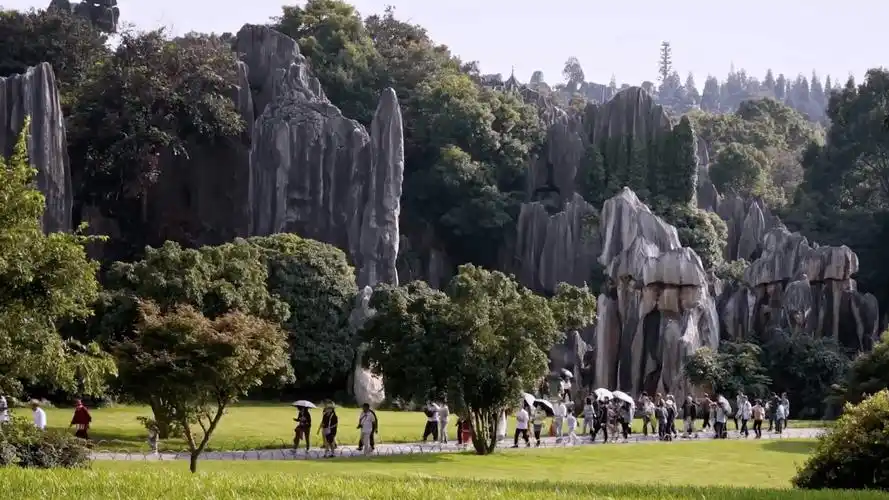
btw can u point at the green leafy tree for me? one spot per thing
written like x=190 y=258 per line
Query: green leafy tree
x=740 y=169
x=197 y=367
x=573 y=74
x=152 y=97
x=869 y=372
x=735 y=368
x=478 y=345
x=315 y=280
x=665 y=62
x=46 y=280
x=702 y=231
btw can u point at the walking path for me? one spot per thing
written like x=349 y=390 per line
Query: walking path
x=405 y=448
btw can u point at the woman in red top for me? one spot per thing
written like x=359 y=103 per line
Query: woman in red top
x=82 y=420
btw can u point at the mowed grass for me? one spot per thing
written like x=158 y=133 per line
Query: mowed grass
x=741 y=470
x=255 y=426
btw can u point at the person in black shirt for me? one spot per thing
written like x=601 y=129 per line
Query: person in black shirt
x=303 y=427
x=329 y=422
x=601 y=421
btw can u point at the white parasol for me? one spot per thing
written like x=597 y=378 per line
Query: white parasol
x=725 y=404
x=529 y=398
x=302 y=403
x=623 y=396
x=567 y=374
x=546 y=405
x=602 y=393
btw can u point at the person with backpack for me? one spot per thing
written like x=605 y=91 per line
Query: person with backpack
x=367 y=424
x=328 y=428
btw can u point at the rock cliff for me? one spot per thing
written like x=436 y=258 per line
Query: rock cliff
x=35 y=95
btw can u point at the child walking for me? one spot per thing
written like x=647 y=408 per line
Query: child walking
x=572 y=427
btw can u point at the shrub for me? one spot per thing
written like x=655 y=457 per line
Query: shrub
x=855 y=453
x=24 y=445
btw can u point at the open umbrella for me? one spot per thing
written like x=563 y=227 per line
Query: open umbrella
x=302 y=403
x=546 y=405
x=529 y=398
x=623 y=396
x=566 y=373
x=602 y=393
x=725 y=404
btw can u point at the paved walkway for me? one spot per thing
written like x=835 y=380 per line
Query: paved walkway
x=404 y=448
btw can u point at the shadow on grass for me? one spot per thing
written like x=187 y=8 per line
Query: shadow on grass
x=795 y=447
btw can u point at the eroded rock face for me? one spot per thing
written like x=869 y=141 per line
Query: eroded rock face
x=657 y=309
x=103 y=14
x=35 y=95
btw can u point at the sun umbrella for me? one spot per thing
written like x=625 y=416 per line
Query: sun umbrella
x=546 y=405
x=602 y=393
x=566 y=373
x=725 y=404
x=529 y=398
x=623 y=396
x=302 y=403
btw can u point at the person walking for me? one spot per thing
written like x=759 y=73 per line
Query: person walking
x=539 y=419
x=689 y=413
x=521 y=427
x=560 y=411
x=376 y=430
x=719 y=425
x=780 y=416
x=367 y=423
x=758 y=413
x=572 y=427
x=443 y=414
x=431 y=429
x=601 y=423
x=786 y=402
x=660 y=413
x=745 y=411
x=648 y=420
x=81 y=419
x=303 y=427
x=328 y=428
x=38 y=415
x=706 y=414
x=589 y=415
x=671 y=416
x=625 y=417
x=736 y=415
x=771 y=409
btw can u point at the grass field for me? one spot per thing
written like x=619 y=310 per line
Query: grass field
x=252 y=426
x=737 y=470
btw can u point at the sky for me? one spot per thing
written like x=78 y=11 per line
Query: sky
x=620 y=38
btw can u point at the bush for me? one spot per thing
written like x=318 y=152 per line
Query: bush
x=855 y=453
x=24 y=445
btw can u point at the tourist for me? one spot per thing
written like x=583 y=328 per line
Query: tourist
x=589 y=415
x=4 y=410
x=625 y=416
x=572 y=427
x=647 y=407
x=431 y=428
x=81 y=420
x=706 y=414
x=376 y=430
x=464 y=430
x=367 y=423
x=601 y=423
x=660 y=414
x=735 y=417
x=521 y=427
x=758 y=413
x=303 y=427
x=689 y=413
x=153 y=436
x=671 y=416
x=443 y=414
x=39 y=415
x=539 y=419
x=745 y=411
x=719 y=425
x=780 y=417
x=613 y=420
x=786 y=402
x=771 y=408
x=560 y=411
x=327 y=429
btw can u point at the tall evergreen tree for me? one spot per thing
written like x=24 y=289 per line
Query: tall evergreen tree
x=710 y=96
x=781 y=87
x=665 y=62
x=691 y=90
x=769 y=83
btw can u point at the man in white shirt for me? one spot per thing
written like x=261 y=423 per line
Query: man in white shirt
x=559 y=413
x=443 y=413
x=521 y=428
x=367 y=422
x=39 y=415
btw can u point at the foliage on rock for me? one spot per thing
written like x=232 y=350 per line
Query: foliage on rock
x=702 y=231
x=733 y=369
x=855 y=453
x=199 y=366
x=46 y=281
x=316 y=282
x=478 y=345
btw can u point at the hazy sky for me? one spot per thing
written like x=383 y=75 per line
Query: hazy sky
x=620 y=38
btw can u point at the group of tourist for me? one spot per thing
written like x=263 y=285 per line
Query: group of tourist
x=80 y=420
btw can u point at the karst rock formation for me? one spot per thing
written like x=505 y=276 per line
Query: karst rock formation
x=34 y=95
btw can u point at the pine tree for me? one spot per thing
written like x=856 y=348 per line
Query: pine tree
x=769 y=82
x=665 y=64
x=710 y=96
x=781 y=88
x=683 y=177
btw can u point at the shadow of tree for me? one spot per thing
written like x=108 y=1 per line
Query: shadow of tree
x=789 y=446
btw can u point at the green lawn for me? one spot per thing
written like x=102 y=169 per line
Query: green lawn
x=251 y=426
x=739 y=470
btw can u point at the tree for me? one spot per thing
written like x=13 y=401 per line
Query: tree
x=691 y=89
x=710 y=95
x=478 y=346
x=702 y=231
x=198 y=367
x=665 y=62
x=573 y=74
x=317 y=283
x=740 y=169
x=46 y=280
x=734 y=369
x=868 y=373
x=152 y=97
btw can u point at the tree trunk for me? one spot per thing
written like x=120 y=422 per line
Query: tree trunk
x=484 y=432
x=193 y=462
x=163 y=420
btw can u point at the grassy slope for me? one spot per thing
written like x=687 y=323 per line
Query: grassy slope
x=251 y=426
x=694 y=470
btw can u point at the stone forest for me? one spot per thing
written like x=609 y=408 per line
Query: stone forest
x=754 y=226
